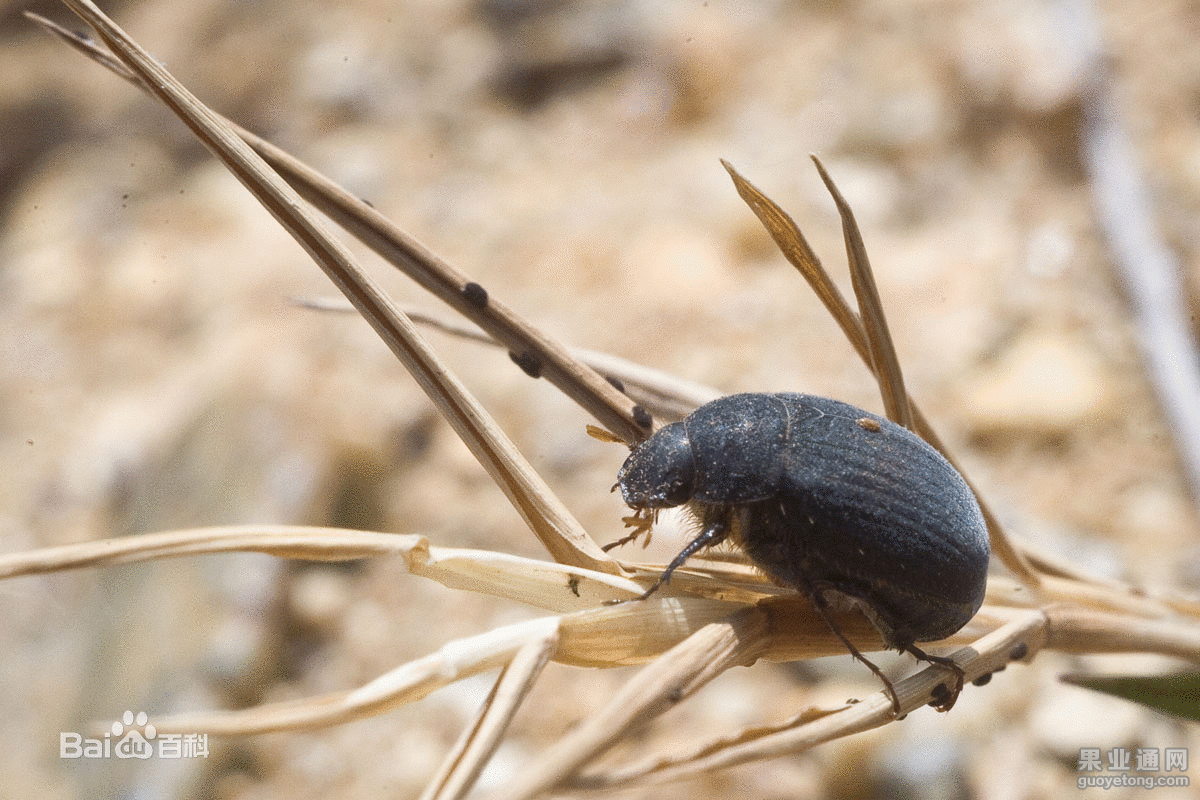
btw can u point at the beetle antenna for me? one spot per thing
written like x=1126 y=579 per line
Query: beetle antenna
x=603 y=435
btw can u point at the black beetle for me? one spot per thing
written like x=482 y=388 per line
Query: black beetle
x=825 y=497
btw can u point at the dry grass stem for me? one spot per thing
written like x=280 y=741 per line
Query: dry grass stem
x=795 y=248
x=608 y=636
x=284 y=541
x=666 y=396
x=478 y=742
x=815 y=726
x=541 y=584
x=884 y=362
x=578 y=381
x=1153 y=278
x=405 y=684
x=553 y=524
x=664 y=683
x=1084 y=630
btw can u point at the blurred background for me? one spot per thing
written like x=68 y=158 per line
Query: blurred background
x=158 y=374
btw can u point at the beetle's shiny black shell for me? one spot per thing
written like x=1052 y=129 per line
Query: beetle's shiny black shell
x=823 y=495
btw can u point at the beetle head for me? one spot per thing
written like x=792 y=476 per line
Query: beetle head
x=660 y=472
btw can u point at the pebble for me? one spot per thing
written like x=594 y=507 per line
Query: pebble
x=1045 y=383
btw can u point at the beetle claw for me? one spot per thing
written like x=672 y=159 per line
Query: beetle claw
x=943 y=697
x=641 y=521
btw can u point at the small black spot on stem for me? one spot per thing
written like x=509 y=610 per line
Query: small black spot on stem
x=982 y=680
x=616 y=383
x=475 y=294
x=1018 y=652
x=530 y=364
x=642 y=417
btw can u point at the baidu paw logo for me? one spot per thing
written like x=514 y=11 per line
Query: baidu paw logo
x=133 y=736
x=135 y=743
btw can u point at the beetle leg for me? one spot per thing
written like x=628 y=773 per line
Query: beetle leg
x=822 y=606
x=624 y=540
x=641 y=521
x=713 y=533
x=943 y=701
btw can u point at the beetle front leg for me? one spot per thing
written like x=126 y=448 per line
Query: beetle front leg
x=642 y=521
x=714 y=533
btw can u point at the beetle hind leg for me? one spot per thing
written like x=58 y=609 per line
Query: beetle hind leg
x=822 y=606
x=942 y=700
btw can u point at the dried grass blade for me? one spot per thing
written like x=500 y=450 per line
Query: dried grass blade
x=554 y=362
x=796 y=250
x=870 y=308
x=476 y=747
x=573 y=377
x=635 y=633
x=1085 y=630
x=657 y=688
x=1114 y=597
x=546 y=515
x=83 y=44
x=542 y=584
x=284 y=541
x=1109 y=595
x=664 y=395
x=405 y=684
x=463 y=658
x=1158 y=286
x=813 y=727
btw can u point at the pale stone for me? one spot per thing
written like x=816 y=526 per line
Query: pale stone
x=1044 y=383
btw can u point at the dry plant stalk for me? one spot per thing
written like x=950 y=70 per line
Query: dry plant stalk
x=711 y=617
